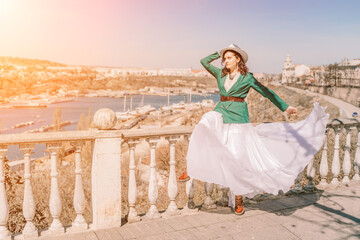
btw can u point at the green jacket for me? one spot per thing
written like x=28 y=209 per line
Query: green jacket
x=237 y=112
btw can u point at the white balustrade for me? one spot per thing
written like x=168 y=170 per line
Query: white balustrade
x=335 y=166
x=30 y=230
x=357 y=157
x=106 y=175
x=209 y=203
x=346 y=166
x=79 y=224
x=55 y=199
x=153 y=187
x=132 y=189
x=172 y=184
x=4 y=207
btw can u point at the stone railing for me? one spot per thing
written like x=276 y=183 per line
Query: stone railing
x=350 y=128
x=106 y=173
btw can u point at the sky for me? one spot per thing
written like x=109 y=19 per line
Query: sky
x=178 y=33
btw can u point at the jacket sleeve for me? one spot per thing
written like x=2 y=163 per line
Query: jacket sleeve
x=216 y=72
x=266 y=92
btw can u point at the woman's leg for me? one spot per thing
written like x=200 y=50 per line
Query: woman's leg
x=239 y=207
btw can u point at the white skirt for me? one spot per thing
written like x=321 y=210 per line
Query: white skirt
x=252 y=160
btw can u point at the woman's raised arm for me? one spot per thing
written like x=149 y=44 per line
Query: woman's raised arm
x=216 y=72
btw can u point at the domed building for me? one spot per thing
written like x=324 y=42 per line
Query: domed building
x=298 y=73
x=288 y=71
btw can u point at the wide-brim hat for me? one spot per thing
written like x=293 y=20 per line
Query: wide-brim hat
x=237 y=49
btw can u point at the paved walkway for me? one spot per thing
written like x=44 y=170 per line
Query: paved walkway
x=330 y=214
x=346 y=109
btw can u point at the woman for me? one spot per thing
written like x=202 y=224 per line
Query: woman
x=226 y=149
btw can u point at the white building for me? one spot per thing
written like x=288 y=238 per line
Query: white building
x=298 y=73
x=345 y=73
x=288 y=71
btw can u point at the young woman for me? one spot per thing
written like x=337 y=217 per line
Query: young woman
x=226 y=149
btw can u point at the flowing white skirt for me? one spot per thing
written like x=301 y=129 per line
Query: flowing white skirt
x=251 y=160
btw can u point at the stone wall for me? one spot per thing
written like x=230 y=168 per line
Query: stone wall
x=350 y=95
x=347 y=94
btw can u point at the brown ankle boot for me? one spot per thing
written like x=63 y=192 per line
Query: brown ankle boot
x=239 y=207
x=184 y=177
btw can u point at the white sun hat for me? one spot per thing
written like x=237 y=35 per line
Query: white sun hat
x=237 y=49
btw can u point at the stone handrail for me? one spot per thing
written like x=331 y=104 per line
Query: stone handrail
x=106 y=173
x=49 y=137
x=92 y=134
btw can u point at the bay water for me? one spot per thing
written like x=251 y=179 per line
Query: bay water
x=71 y=111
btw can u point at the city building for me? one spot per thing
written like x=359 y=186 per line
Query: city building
x=345 y=73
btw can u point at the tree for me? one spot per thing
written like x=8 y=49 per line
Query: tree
x=333 y=70
x=57 y=119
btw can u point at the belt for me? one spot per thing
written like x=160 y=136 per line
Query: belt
x=232 y=99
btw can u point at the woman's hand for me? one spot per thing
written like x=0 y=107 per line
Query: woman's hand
x=291 y=110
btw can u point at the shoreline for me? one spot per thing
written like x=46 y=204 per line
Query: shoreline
x=44 y=102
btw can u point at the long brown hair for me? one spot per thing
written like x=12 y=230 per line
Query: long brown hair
x=241 y=65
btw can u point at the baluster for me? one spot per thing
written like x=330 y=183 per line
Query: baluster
x=153 y=188
x=172 y=184
x=357 y=157
x=79 y=224
x=190 y=192
x=310 y=173
x=335 y=166
x=28 y=202
x=4 y=207
x=297 y=187
x=346 y=163
x=324 y=168
x=132 y=191
x=55 y=199
x=209 y=203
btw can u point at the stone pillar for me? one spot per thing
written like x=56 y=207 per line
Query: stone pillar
x=106 y=174
x=357 y=157
x=324 y=168
x=132 y=190
x=310 y=173
x=335 y=166
x=172 y=184
x=190 y=192
x=55 y=199
x=153 y=188
x=4 y=207
x=29 y=230
x=346 y=166
x=79 y=224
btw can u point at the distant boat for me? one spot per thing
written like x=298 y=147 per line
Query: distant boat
x=62 y=100
x=24 y=124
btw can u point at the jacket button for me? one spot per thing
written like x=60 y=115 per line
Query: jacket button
x=227 y=107
x=221 y=106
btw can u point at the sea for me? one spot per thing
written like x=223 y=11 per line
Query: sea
x=71 y=111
